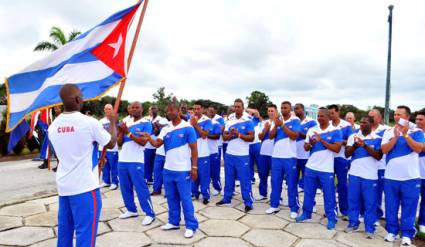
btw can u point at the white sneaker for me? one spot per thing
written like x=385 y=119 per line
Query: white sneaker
x=103 y=185
x=422 y=228
x=318 y=191
x=260 y=198
x=314 y=209
x=405 y=241
x=169 y=226
x=361 y=219
x=390 y=237
x=300 y=190
x=127 y=215
x=188 y=233
x=113 y=187
x=293 y=215
x=283 y=203
x=377 y=223
x=215 y=192
x=147 y=220
x=237 y=183
x=272 y=210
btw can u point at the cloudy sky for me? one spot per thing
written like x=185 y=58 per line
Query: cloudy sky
x=322 y=52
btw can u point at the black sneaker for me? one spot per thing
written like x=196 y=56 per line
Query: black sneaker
x=205 y=201
x=195 y=197
x=222 y=203
x=248 y=208
x=44 y=165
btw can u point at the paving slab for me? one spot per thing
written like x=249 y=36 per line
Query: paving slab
x=23 y=209
x=223 y=228
x=43 y=219
x=310 y=230
x=173 y=237
x=132 y=225
x=319 y=243
x=221 y=242
x=25 y=235
x=8 y=222
x=264 y=221
x=358 y=239
x=123 y=239
x=269 y=238
x=222 y=213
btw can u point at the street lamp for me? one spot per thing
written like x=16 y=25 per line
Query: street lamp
x=388 y=84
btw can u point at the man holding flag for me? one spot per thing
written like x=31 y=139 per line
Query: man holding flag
x=94 y=62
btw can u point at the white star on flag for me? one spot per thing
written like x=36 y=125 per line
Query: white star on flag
x=116 y=46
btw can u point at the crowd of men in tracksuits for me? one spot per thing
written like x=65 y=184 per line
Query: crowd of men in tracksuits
x=352 y=165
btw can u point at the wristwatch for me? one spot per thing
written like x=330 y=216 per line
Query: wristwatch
x=129 y=134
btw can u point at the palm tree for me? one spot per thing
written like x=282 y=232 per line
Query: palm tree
x=59 y=39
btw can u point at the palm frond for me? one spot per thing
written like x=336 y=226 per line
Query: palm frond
x=73 y=35
x=58 y=36
x=45 y=45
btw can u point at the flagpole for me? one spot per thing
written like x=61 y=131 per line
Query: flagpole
x=48 y=144
x=122 y=84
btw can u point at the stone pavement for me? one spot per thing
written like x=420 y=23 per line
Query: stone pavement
x=33 y=222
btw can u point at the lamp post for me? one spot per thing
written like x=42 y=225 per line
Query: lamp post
x=388 y=84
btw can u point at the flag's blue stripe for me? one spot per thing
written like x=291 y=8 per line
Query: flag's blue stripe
x=114 y=17
x=31 y=81
x=50 y=96
x=17 y=134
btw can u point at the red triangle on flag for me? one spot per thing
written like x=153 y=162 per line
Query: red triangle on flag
x=112 y=50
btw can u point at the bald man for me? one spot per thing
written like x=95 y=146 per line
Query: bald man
x=110 y=170
x=379 y=129
x=75 y=137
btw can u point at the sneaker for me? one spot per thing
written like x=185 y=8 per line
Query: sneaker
x=188 y=233
x=406 y=241
x=103 y=185
x=252 y=181
x=272 y=210
x=169 y=226
x=283 y=203
x=370 y=235
x=195 y=197
x=331 y=225
x=149 y=182
x=237 y=183
x=293 y=215
x=248 y=208
x=127 y=215
x=205 y=201
x=344 y=217
x=113 y=187
x=351 y=228
x=377 y=223
x=390 y=237
x=215 y=192
x=422 y=228
x=300 y=190
x=303 y=218
x=148 y=220
x=319 y=192
x=223 y=203
x=361 y=219
x=314 y=209
x=261 y=198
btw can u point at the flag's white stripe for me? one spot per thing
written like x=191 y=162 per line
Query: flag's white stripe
x=65 y=52
x=70 y=73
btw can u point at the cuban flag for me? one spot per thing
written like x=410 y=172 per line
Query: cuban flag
x=95 y=61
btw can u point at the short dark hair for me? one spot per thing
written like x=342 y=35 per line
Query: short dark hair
x=300 y=105
x=369 y=119
x=199 y=102
x=174 y=104
x=286 y=103
x=420 y=113
x=211 y=106
x=272 y=105
x=238 y=100
x=326 y=110
x=406 y=108
x=333 y=106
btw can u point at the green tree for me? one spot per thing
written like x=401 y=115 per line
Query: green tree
x=58 y=38
x=3 y=97
x=259 y=100
x=161 y=99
